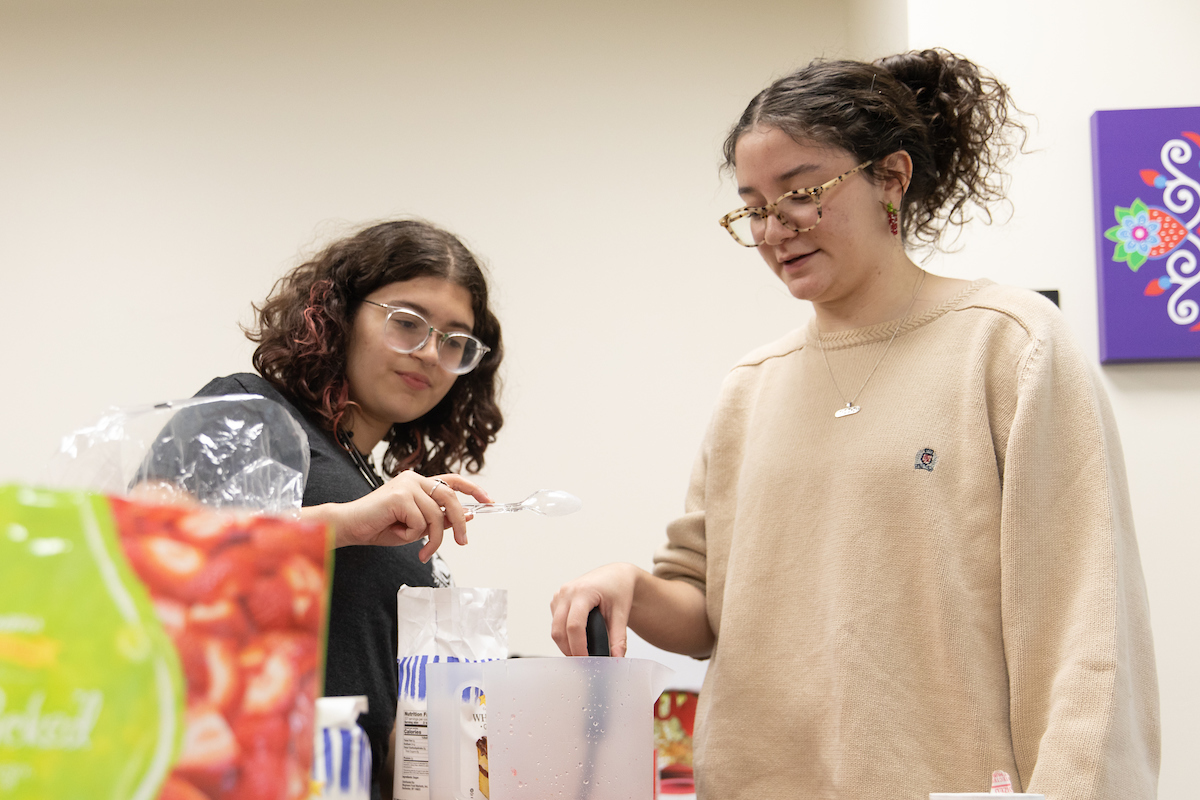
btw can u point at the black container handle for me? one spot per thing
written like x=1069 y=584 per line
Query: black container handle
x=597 y=634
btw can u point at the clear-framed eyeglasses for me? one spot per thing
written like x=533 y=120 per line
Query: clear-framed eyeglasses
x=799 y=210
x=406 y=331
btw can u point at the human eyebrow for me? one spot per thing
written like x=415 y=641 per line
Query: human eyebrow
x=452 y=325
x=799 y=169
x=417 y=307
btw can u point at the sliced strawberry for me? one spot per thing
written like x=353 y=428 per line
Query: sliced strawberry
x=302 y=575
x=195 y=667
x=272 y=688
x=302 y=720
x=264 y=776
x=262 y=733
x=243 y=567
x=223 y=618
x=270 y=603
x=277 y=539
x=307 y=611
x=224 y=688
x=253 y=655
x=229 y=573
x=307 y=583
x=273 y=540
x=209 y=531
x=213 y=671
x=210 y=750
x=299 y=648
x=140 y=519
x=308 y=690
x=299 y=775
x=314 y=543
x=177 y=788
x=165 y=565
x=172 y=614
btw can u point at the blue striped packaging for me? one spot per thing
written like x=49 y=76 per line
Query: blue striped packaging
x=341 y=750
x=437 y=625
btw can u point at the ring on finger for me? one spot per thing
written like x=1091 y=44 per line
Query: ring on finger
x=436 y=483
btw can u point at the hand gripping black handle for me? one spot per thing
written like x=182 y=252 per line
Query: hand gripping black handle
x=597 y=634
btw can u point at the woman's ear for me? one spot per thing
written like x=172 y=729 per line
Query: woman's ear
x=897 y=170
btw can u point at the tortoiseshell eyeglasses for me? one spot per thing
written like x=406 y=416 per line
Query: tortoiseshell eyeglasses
x=799 y=210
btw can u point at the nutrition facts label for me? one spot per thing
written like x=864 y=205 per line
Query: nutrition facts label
x=414 y=772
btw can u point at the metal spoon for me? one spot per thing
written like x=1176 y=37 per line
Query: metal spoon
x=547 y=502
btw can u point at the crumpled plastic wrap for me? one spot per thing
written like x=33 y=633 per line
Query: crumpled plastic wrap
x=228 y=451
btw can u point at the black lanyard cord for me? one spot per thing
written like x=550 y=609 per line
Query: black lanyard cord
x=365 y=467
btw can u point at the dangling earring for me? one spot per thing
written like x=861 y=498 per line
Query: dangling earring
x=893 y=219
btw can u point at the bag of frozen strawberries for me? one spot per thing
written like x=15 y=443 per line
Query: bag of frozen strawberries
x=162 y=651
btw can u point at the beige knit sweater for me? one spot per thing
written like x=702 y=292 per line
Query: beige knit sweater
x=885 y=630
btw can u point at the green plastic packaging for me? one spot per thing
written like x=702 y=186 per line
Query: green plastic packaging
x=91 y=690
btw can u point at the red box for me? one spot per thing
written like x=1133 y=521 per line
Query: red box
x=674 y=720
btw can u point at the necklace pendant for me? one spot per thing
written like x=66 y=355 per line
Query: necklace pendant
x=847 y=411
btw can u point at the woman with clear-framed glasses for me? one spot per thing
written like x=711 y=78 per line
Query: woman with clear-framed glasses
x=384 y=337
x=908 y=548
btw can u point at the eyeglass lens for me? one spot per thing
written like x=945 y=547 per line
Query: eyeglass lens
x=457 y=352
x=800 y=212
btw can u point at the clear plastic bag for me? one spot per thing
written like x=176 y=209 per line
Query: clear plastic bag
x=228 y=451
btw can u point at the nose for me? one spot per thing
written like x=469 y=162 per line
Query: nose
x=429 y=353
x=776 y=232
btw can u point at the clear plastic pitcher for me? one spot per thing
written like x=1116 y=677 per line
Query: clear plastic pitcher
x=572 y=728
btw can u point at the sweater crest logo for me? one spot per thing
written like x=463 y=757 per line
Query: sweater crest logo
x=926 y=459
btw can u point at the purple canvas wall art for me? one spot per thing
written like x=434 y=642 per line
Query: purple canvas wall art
x=1146 y=171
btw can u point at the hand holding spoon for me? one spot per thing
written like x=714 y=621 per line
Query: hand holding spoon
x=547 y=502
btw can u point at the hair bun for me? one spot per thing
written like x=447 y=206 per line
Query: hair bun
x=948 y=92
x=926 y=69
x=966 y=111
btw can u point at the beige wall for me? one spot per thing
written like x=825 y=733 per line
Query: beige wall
x=162 y=163
x=1062 y=64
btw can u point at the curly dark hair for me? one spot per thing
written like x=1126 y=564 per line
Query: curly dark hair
x=956 y=122
x=303 y=327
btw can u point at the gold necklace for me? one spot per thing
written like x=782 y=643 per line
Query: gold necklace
x=850 y=408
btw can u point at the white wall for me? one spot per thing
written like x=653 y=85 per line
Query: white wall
x=875 y=28
x=162 y=163
x=1064 y=61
